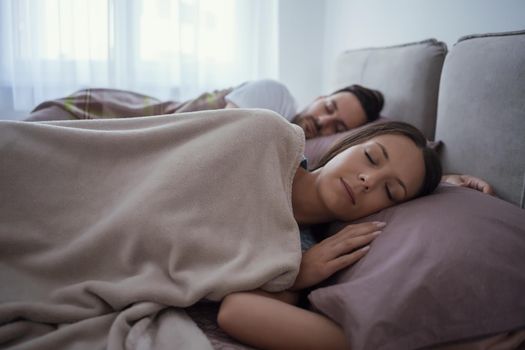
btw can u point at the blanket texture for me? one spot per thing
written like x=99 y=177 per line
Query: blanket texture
x=113 y=103
x=109 y=228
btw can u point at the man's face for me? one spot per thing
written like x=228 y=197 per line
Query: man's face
x=328 y=115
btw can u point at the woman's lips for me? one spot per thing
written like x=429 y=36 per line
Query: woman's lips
x=348 y=190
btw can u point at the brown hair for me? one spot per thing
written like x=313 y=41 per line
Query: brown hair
x=433 y=170
x=371 y=100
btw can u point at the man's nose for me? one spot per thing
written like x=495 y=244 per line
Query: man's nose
x=325 y=119
x=326 y=124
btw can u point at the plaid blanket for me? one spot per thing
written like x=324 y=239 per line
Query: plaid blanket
x=112 y=103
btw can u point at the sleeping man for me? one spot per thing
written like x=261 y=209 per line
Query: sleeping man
x=342 y=110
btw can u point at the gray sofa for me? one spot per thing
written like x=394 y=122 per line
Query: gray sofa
x=471 y=97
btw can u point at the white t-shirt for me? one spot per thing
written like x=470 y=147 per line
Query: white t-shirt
x=266 y=94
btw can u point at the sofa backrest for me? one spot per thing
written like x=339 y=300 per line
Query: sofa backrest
x=481 y=111
x=407 y=75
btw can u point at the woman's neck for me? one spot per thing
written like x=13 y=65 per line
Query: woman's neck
x=308 y=208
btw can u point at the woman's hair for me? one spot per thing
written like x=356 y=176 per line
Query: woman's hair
x=371 y=100
x=433 y=170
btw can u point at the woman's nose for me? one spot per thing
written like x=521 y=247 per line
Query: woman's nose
x=367 y=181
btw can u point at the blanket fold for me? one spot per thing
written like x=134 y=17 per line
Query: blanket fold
x=101 y=217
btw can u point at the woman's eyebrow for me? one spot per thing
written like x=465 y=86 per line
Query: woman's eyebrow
x=385 y=153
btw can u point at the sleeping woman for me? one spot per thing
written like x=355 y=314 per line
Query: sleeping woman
x=383 y=165
x=109 y=228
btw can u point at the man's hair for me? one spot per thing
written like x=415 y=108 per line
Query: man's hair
x=433 y=170
x=371 y=100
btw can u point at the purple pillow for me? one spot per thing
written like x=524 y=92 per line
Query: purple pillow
x=447 y=267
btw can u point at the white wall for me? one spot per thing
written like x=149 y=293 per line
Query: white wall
x=368 y=23
x=301 y=40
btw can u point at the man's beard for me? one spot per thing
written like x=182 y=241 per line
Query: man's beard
x=309 y=125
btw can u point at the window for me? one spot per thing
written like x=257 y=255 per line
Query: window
x=169 y=49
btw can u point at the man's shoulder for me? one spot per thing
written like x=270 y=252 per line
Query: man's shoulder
x=266 y=94
x=265 y=84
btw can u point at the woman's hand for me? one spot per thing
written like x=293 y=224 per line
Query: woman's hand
x=469 y=181
x=335 y=253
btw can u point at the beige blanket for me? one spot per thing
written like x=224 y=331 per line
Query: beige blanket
x=109 y=227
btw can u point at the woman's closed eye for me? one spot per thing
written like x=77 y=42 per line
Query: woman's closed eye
x=389 y=194
x=370 y=159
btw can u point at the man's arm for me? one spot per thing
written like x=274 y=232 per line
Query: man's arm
x=470 y=182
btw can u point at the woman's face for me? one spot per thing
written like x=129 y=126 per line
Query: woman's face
x=365 y=178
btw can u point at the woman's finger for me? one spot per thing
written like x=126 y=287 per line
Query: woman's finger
x=350 y=244
x=354 y=230
x=346 y=260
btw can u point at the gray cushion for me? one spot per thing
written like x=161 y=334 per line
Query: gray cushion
x=447 y=267
x=408 y=76
x=481 y=111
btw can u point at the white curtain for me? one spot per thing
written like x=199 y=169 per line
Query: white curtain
x=169 y=49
